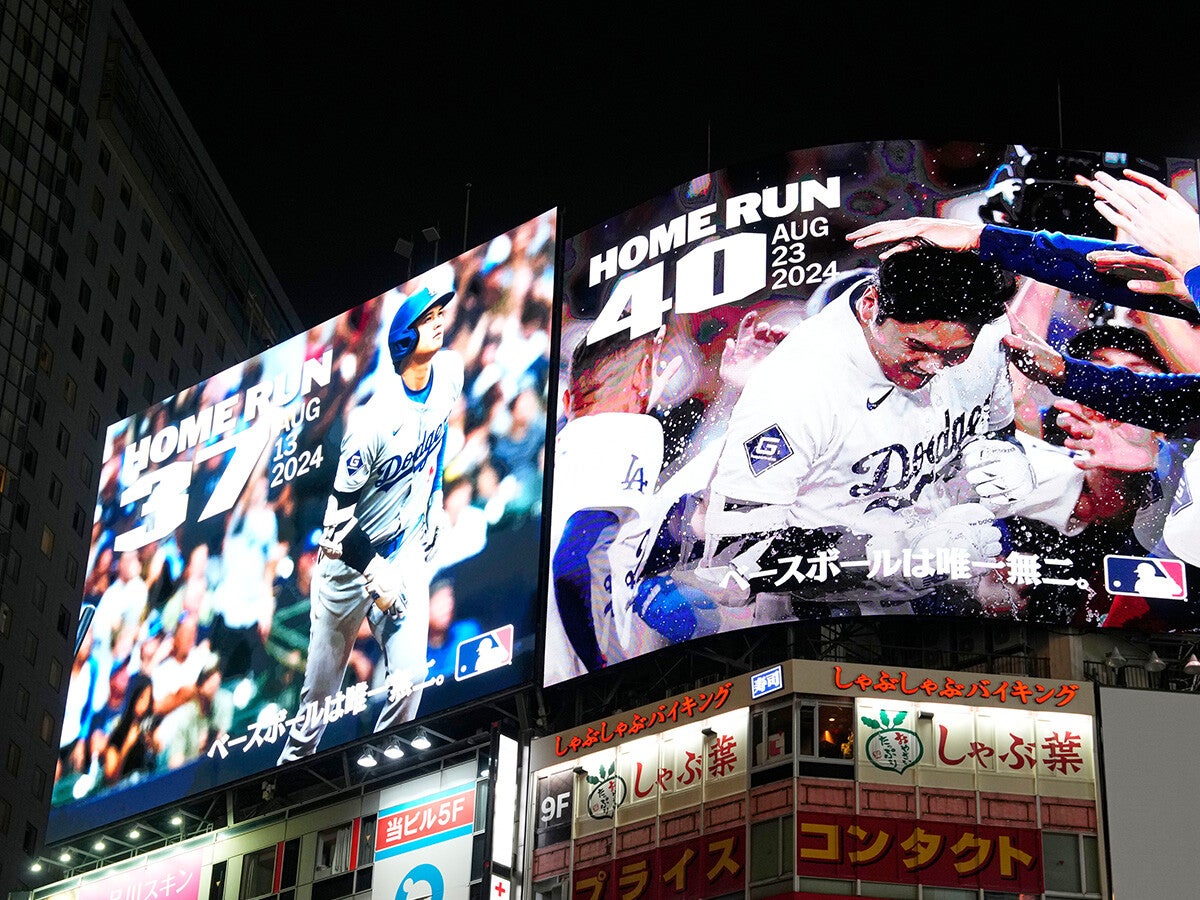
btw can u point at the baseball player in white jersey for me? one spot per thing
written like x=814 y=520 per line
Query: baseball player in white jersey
x=874 y=426
x=615 y=531
x=382 y=522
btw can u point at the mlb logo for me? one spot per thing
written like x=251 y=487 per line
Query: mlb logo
x=488 y=651
x=767 y=448
x=1144 y=576
x=766 y=682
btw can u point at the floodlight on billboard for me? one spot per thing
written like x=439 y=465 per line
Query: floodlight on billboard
x=334 y=537
x=820 y=386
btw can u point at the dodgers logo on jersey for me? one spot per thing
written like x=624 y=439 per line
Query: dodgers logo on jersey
x=767 y=448
x=1145 y=576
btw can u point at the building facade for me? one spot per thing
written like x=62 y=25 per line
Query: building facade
x=127 y=274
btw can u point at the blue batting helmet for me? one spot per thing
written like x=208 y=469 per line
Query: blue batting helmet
x=402 y=336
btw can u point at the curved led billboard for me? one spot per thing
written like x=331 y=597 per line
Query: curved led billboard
x=833 y=384
x=335 y=537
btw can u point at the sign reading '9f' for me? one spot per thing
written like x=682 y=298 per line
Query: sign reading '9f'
x=862 y=380
x=321 y=542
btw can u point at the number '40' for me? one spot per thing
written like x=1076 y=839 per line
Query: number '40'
x=722 y=271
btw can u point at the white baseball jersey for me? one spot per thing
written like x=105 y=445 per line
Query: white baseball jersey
x=821 y=431
x=1181 y=531
x=391 y=448
x=608 y=461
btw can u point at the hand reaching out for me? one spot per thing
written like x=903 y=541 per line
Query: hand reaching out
x=906 y=234
x=1031 y=354
x=1151 y=214
x=754 y=340
x=1107 y=444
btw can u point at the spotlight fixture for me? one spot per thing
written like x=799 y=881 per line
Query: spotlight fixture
x=176 y=821
x=393 y=750
x=1114 y=659
x=100 y=845
x=431 y=234
x=403 y=248
x=1155 y=663
x=36 y=867
x=708 y=733
x=1192 y=666
x=134 y=834
x=580 y=770
x=367 y=759
x=64 y=856
x=925 y=714
x=421 y=740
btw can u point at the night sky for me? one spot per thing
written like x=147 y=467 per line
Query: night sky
x=339 y=127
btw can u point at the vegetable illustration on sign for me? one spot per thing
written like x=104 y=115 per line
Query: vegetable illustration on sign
x=890 y=747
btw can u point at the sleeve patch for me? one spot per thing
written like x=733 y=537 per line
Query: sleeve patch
x=767 y=448
x=354 y=463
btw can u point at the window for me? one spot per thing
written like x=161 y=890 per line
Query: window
x=31 y=646
x=333 y=851
x=5 y=619
x=126 y=193
x=5 y=815
x=56 y=487
x=63 y=441
x=772 y=850
x=93 y=422
x=85 y=470
x=119 y=236
x=39 y=594
x=1071 y=863
x=135 y=313
x=12 y=759
x=47 y=541
x=85 y=295
x=37 y=411
x=203 y=316
x=77 y=343
x=79 y=521
x=56 y=673
x=104 y=158
x=66 y=214
x=258 y=875
x=155 y=344
x=127 y=359
x=185 y=287
x=180 y=330
x=101 y=375
x=772 y=739
x=160 y=300
x=45 y=358
x=47 y=731
x=22 y=703
x=21 y=505
x=173 y=374
x=61 y=261
x=122 y=404
x=71 y=570
x=106 y=327
x=145 y=227
x=197 y=359
x=39 y=782
x=114 y=281
x=164 y=258
x=97 y=203
x=91 y=248
x=139 y=270
x=148 y=390
x=70 y=389
x=30 y=841
x=826 y=739
x=53 y=309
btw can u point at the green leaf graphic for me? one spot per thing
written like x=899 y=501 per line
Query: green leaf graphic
x=870 y=723
x=883 y=717
x=900 y=717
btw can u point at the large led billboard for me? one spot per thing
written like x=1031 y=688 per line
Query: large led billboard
x=333 y=538
x=830 y=384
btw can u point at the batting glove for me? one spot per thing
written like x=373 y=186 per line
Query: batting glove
x=1000 y=473
x=337 y=524
x=385 y=585
x=437 y=523
x=967 y=526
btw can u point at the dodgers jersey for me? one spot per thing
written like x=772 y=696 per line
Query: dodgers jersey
x=821 y=431
x=391 y=450
x=608 y=461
